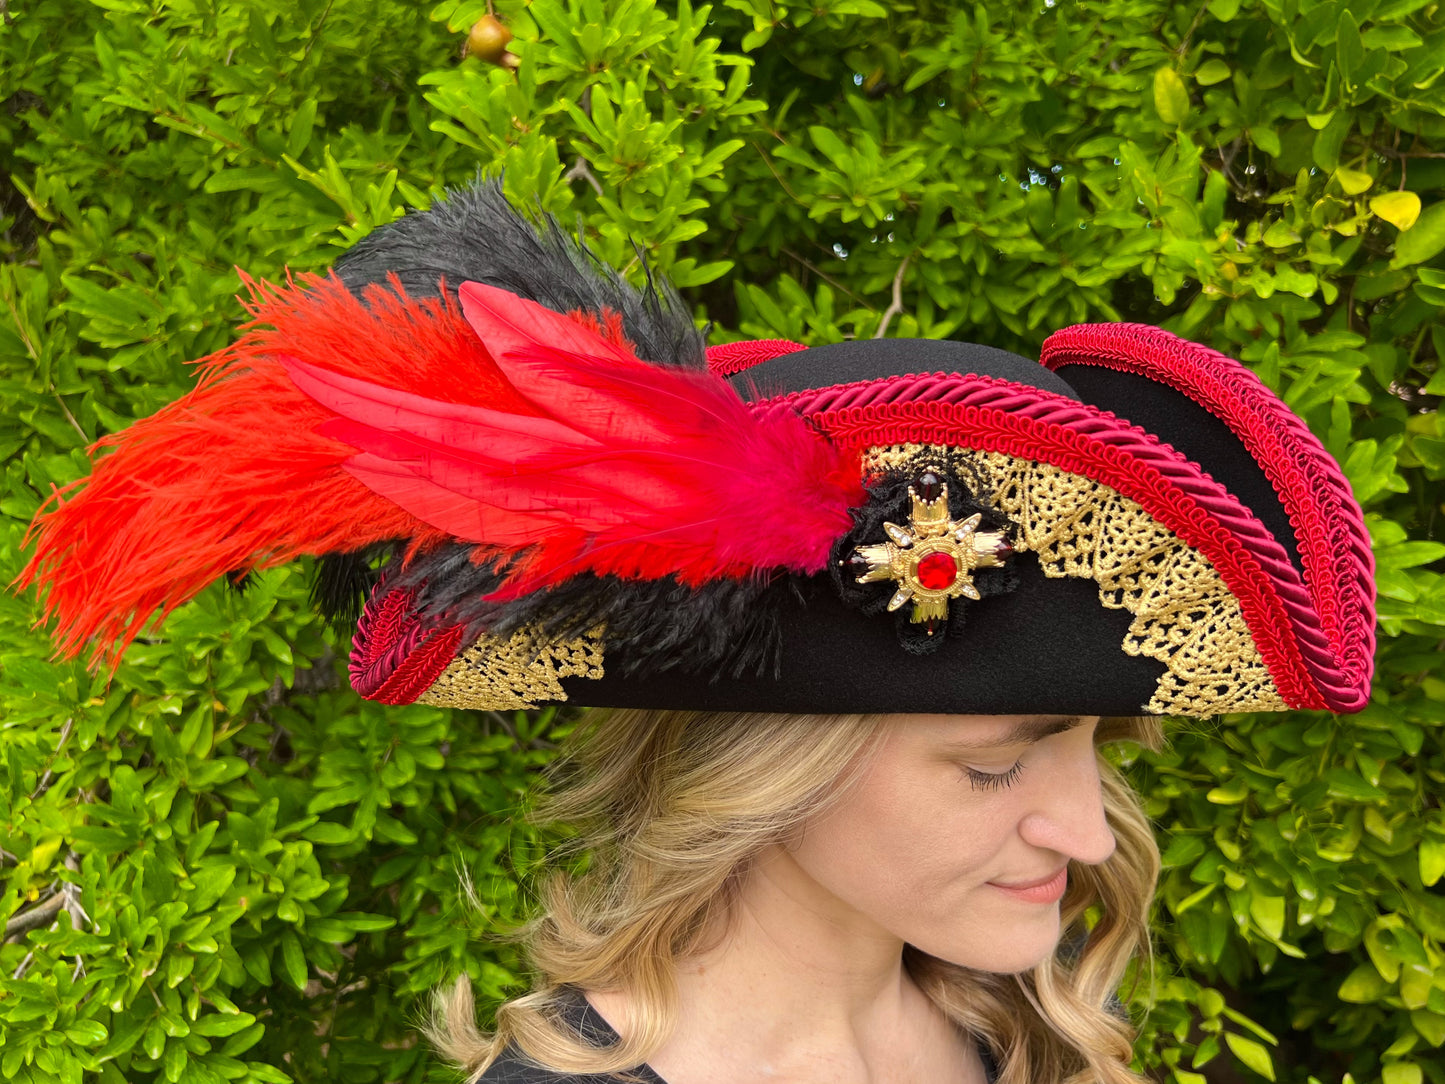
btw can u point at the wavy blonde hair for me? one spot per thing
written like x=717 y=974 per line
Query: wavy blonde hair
x=673 y=807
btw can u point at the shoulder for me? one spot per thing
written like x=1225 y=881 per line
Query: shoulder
x=513 y=1068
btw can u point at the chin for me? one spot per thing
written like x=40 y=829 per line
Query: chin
x=1020 y=947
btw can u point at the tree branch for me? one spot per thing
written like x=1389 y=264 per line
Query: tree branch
x=581 y=169
x=896 y=305
x=42 y=914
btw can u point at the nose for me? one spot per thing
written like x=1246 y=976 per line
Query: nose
x=1068 y=816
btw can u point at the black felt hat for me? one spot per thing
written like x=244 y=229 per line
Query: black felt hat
x=547 y=490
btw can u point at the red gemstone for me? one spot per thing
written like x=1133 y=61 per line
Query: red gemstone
x=937 y=571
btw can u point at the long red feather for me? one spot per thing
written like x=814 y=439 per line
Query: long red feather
x=236 y=475
x=632 y=469
x=508 y=425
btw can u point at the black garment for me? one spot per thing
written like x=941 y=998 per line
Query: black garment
x=511 y=1069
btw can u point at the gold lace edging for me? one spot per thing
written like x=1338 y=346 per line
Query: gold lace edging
x=504 y=674
x=1184 y=615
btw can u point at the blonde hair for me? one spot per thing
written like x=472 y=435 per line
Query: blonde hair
x=672 y=807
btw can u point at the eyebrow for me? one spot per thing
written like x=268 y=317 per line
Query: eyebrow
x=1024 y=731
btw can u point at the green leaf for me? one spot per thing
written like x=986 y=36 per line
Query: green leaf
x=302 y=123
x=1327 y=144
x=86 y=1033
x=836 y=150
x=1279 y=235
x=221 y=1024
x=1171 y=98
x=1409 y=554
x=329 y=833
x=1253 y=1055
x=1423 y=240
x=293 y=960
x=1391 y=38
x=1349 y=49
x=1267 y=140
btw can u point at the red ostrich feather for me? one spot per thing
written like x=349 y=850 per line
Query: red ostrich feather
x=333 y=424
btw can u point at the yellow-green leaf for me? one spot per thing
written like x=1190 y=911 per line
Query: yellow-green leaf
x=1432 y=861
x=1211 y=72
x=1353 y=181
x=1252 y=1054
x=1402 y=1072
x=1363 y=985
x=1399 y=209
x=1415 y=985
x=1430 y=1025
x=1171 y=99
x=1268 y=914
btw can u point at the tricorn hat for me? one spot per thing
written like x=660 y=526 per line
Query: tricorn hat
x=534 y=484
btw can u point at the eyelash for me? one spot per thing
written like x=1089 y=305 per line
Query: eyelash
x=993 y=780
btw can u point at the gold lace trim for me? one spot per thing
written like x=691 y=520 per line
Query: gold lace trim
x=1184 y=615
x=498 y=674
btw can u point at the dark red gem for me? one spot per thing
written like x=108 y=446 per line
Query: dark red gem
x=1002 y=548
x=930 y=485
x=858 y=564
x=937 y=571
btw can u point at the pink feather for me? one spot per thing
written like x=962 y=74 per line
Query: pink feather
x=626 y=468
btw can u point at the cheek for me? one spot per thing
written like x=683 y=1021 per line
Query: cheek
x=906 y=851
x=914 y=859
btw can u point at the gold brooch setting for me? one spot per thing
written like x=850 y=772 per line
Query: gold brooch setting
x=933 y=557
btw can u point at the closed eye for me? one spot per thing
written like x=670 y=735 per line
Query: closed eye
x=993 y=780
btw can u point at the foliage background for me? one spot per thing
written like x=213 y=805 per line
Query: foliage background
x=222 y=865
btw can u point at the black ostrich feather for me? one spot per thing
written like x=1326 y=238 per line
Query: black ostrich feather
x=475 y=235
x=726 y=627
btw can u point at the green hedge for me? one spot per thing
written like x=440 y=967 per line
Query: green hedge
x=222 y=865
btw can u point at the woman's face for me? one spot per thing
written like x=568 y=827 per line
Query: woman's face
x=950 y=823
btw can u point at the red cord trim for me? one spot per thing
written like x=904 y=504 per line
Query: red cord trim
x=1334 y=544
x=730 y=358
x=998 y=415
x=416 y=673
x=394 y=658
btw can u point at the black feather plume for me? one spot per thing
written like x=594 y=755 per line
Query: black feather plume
x=475 y=235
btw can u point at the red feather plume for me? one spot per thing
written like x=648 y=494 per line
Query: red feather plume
x=333 y=424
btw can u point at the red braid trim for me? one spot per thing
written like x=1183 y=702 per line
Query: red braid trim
x=989 y=414
x=394 y=658
x=1334 y=544
x=731 y=358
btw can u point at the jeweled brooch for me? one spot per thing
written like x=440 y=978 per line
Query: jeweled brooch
x=932 y=559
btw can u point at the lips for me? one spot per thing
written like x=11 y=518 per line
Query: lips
x=1049 y=889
